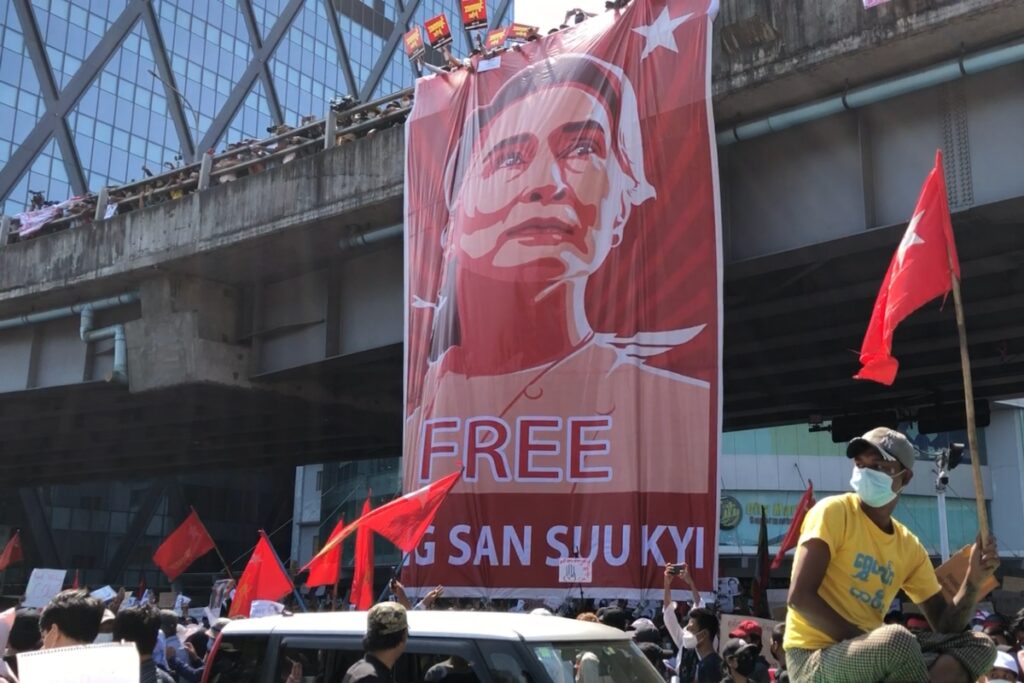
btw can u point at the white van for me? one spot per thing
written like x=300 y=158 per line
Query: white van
x=453 y=647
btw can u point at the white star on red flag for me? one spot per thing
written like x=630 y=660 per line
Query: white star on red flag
x=910 y=237
x=660 y=33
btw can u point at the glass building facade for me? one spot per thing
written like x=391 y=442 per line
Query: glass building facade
x=92 y=92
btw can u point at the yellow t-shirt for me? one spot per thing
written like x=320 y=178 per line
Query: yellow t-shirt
x=867 y=568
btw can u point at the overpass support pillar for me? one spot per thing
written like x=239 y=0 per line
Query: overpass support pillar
x=188 y=333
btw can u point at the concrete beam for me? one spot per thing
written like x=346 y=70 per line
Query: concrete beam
x=187 y=333
x=326 y=187
x=773 y=54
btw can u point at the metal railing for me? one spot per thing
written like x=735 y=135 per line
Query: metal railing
x=240 y=159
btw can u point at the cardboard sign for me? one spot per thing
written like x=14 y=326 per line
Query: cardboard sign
x=166 y=601
x=575 y=570
x=105 y=594
x=43 y=584
x=439 y=33
x=107 y=663
x=951 y=575
x=1013 y=584
x=496 y=38
x=474 y=14
x=522 y=32
x=414 y=47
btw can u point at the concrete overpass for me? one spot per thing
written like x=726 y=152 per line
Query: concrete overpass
x=264 y=317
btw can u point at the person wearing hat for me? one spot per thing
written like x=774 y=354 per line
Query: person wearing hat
x=750 y=631
x=851 y=560
x=387 y=633
x=739 y=659
x=1004 y=669
x=614 y=617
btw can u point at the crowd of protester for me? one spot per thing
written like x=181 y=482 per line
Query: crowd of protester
x=683 y=641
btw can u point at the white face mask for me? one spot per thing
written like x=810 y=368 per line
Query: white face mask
x=873 y=487
x=689 y=640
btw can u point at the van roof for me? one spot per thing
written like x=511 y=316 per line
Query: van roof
x=447 y=624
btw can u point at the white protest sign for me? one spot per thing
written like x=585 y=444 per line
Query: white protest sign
x=575 y=570
x=180 y=603
x=107 y=663
x=210 y=615
x=264 y=608
x=43 y=584
x=105 y=594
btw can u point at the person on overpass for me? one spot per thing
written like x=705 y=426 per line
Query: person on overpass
x=852 y=559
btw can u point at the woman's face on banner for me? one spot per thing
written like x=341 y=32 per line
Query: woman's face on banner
x=534 y=202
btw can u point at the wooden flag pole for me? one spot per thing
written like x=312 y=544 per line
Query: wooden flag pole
x=972 y=429
x=216 y=548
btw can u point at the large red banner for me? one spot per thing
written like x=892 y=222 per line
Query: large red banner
x=563 y=303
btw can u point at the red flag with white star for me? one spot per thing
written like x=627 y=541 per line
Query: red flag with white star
x=263 y=579
x=183 y=546
x=919 y=272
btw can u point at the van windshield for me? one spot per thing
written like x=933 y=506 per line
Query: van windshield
x=595 y=662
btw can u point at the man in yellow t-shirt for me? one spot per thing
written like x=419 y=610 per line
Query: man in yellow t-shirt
x=852 y=559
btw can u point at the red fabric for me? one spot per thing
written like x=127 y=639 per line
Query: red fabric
x=263 y=579
x=562 y=307
x=362 y=576
x=183 y=546
x=323 y=571
x=12 y=552
x=404 y=520
x=74 y=583
x=761 y=573
x=918 y=273
x=789 y=541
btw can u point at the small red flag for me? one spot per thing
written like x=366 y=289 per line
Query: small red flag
x=183 y=546
x=789 y=541
x=12 y=552
x=362 y=576
x=263 y=579
x=324 y=571
x=74 y=583
x=404 y=520
x=919 y=272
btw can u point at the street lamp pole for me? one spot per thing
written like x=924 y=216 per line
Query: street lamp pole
x=188 y=105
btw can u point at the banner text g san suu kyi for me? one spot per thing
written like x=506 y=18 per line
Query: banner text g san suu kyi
x=563 y=308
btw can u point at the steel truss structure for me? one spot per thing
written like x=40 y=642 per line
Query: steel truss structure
x=59 y=102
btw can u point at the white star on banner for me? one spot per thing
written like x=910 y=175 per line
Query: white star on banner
x=660 y=33
x=910 y=238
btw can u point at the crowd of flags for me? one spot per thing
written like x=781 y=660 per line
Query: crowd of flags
x=402 y=521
